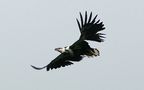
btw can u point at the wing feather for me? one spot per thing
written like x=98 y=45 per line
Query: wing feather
x=90 y=30
x=78 y=24
x=85 y=17
x=81 y=20
x=90 y=17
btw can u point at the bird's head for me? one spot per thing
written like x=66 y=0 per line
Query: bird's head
x=61 y=50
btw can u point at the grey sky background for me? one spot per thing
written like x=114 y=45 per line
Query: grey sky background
x=31 y=29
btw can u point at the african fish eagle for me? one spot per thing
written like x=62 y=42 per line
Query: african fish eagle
x=89 y=29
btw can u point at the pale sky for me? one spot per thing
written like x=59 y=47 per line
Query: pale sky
x=31 y=29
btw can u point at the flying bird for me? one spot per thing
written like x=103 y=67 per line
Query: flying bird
x=90 y=30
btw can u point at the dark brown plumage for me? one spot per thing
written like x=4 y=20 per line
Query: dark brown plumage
x=89 y=29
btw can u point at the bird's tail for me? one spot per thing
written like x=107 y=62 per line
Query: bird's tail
x=93 y=52
x=38 y=68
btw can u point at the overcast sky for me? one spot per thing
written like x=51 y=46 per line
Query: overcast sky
x=31 y=29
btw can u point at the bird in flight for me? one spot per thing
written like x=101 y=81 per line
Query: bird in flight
x=90 y=30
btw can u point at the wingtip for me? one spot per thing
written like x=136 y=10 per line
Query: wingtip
x=37 y=68
x=81 y=19
x=90 y=17
x=85 y=22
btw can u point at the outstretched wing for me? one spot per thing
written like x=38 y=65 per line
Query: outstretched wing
x=61 y=61
x=89 y=28
x=64 y=59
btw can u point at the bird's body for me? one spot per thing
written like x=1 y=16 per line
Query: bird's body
x=89 y=31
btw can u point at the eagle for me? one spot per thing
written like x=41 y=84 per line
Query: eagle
x=90 y=30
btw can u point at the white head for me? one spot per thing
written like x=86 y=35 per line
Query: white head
x=62 y=50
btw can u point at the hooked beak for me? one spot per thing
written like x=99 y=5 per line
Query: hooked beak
x=58 y=49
